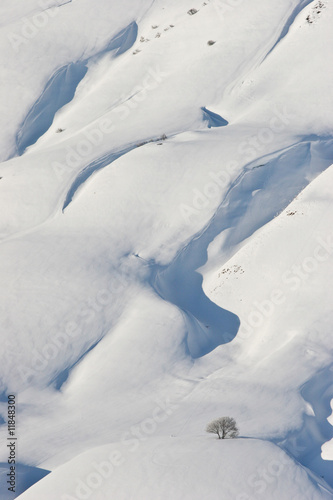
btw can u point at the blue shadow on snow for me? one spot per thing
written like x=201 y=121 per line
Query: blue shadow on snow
x=213 y=119
x=61 y=88
x=25 y=477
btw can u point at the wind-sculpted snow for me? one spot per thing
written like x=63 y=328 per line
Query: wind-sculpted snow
x=179 y=282
x=305 y=444
x=124 y=40
x=26 y=477
x=208 y=325
x=288 y=171
x=59 y=91
x=91 y=169
x=164 y=263
x=301 y=6
x=213 y=119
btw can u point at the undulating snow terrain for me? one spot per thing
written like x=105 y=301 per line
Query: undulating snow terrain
x=166 y=248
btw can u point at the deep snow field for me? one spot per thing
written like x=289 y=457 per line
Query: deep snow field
x=166 y=248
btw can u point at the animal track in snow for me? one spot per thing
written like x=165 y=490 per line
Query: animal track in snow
x=231 y=270
x=316 y=10
x=143 y=39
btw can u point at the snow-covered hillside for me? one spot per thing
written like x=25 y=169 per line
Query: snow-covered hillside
x=166 y=248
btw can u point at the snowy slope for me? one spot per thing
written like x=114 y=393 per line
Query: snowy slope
x=166 y=247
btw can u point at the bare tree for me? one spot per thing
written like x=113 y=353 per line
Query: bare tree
x=224 y=427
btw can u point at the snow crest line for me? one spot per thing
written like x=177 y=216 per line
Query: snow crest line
x=61 y=88
x=305 y=444
x=90 y=169
x=58 y=92
x=180 y=283
x=288 y=24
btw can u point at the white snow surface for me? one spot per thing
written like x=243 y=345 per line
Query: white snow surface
x=166 y=248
